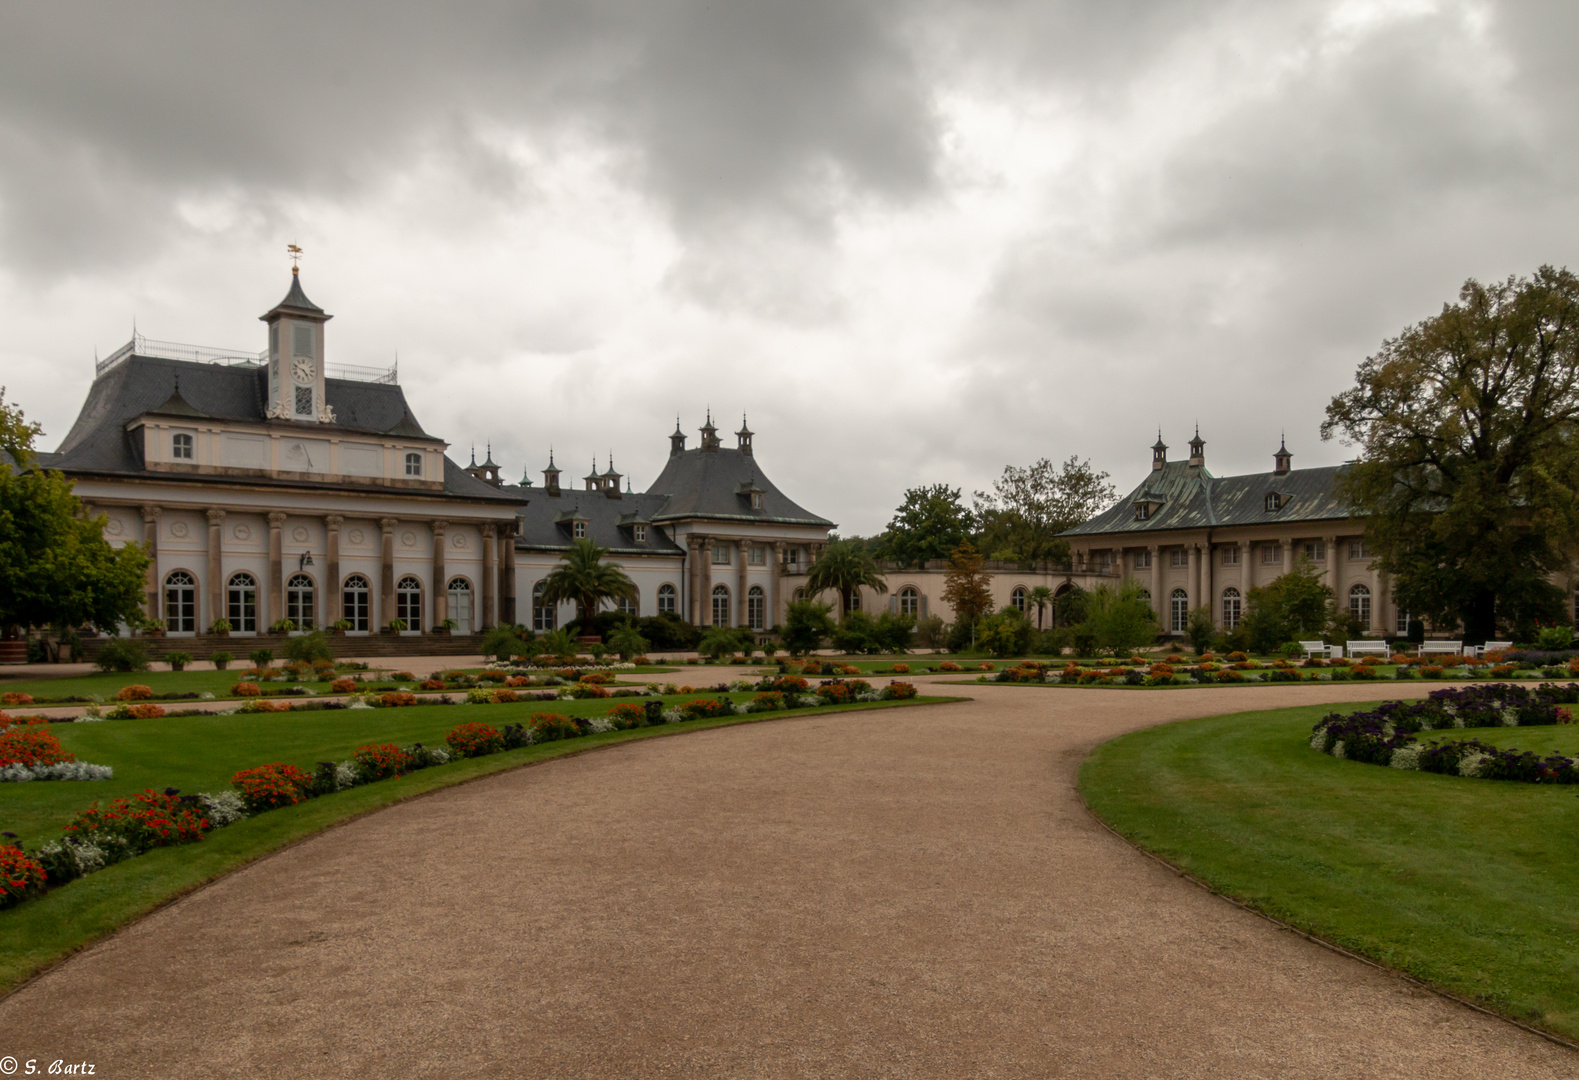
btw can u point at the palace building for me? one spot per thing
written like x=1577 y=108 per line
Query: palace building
x=1191 y=539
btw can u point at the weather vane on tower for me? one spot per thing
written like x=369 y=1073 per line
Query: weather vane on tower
x=296 y=257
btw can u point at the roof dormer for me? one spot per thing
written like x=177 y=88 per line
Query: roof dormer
x=755 y=497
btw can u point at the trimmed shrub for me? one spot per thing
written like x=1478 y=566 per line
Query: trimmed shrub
x=122 y=654
x=245 y=689
x=135 y=692
x=381 y=761
x=269 y=787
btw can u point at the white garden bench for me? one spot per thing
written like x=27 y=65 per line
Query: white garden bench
x=1314 y=649
x=1450 y=648
x=1493 y=646
x=1367 y=648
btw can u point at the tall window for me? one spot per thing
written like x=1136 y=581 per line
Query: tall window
x=1316 y=550
x=1178 y=557
x=759 y=555
x=1142 y=560
x=630 y=605
x=543 y=615
x=800 y=594
x=757 y=608
x=721 y=606
x=1358 y=550
x=909 y=601
x=792 y=558
x=241 y=609
x=855 y=600
x=1017 y=598
x=408 y=602
x=354 y=602
x=1271 y=553
x=180 y=603
x=304 y=401
x=756 y=500
x=668 y=600
x=460 y=592
x=1360 y=605
x=721 y=554
x=300 y=604
x=1233 y=608
x=1231 y=555
x=181 y=447
x=413 y=464
x=1180 y=605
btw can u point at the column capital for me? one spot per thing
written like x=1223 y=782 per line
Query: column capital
x=693 y=542
x=334 y=521
x=277 y=518
x=489 y=530
x=439 y=525
x=150 y=511
x=215 y=517
x=388 y=523
x=707 y=542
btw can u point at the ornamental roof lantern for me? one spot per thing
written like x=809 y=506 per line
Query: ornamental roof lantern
x=594 y=479
x=744 y=436
x=677 y=440
x=1282 y=461
x=551 y=475
x=1197 y=448
x=1159 y=453
x=709 y=433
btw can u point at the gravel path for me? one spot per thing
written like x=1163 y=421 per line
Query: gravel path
x=915 y=892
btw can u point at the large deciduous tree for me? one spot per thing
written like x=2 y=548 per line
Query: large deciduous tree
x=967 y=587
x=56 y=568
x=1021 y=517
x=583 y=578
x=929 y=524
x=1469 y=474
x=845 y=566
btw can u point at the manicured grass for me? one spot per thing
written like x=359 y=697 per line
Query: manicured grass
x=1557 y=739
x=162 y=683
x=202 y=753
x=1466 y=884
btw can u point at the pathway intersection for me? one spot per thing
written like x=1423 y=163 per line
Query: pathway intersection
x=907 y=892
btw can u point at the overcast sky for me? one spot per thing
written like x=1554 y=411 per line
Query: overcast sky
x=915 y=241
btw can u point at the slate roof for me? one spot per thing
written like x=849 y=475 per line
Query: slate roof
x=99 y=443
x=296 y=299
x=714 y=484
x=1187 y=496
x=545 y=523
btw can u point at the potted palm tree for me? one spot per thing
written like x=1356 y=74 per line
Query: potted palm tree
x=584 y=579
x=395 y=626
x=340 y=626
x=845 y=567
x=219 y=628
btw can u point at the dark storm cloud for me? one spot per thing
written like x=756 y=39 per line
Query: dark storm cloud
x=725 y=110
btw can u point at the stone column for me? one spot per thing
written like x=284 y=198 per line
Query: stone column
x=1246 y=551
x=441 y=592
x=386 y=572
x=151 y=542
x=1332 y=562
x=694 y=578
x=776 y=596
x=1193 y=579
x=490 y=573
x=705 y=611
x=276 y=572
x=1158 y=601
x=216 y=568
x=743 y=584
x=507 y=575
x=333 y=596
x=1208 y=586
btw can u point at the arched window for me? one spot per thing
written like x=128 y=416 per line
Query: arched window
x=1360 y=605
x=413 y=464
x=757 y=608
x=909 y=601
x=543 y=615
x=460 y=591
x=668 y=600
x=1017 y=598
x=1179 y=604
x=354 y=602
x=1144 y=594
x=180 y=603
x=408 y=602
x=241 y=608
x=1233 y=608
x=721 y=606
x=630 y=605
x=301 y=604
x=855 y=600
x=181 y=447
x=800 y=594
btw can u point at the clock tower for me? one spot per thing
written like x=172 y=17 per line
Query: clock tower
x=296 y=375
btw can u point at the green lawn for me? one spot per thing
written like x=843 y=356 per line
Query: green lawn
x=1558 y=739
x=202 y=753
x=1467 y=884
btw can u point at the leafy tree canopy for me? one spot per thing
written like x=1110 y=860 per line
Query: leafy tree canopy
x=929 y=524
x=844 y=567
x=1021 y=517
x=1296 y=606
x=56 y=568
x=583 y=578
x=806 y=624
x=966 y=586
x=1119 y=620
x=1469 y=472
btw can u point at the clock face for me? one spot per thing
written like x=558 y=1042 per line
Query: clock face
x=302 y=371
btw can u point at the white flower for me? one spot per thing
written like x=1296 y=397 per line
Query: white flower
x=1470 y=763
x=345 y=775
x=870 y=695
x=740 y=708
x=1510 y=717
x=601 y=724
x=1337 y=749
x=808 y=700
x=206 y=695
x=1318 y=740
x=672 y=716
x=223 y=807
x=1406 y=757
x=357 y=703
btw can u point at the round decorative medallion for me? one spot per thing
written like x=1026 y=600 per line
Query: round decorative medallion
x=299 y=534
x=356 y=536
x=242 y=532
x=459 y=541
x=178 y=529
x=113 y=527
x=409 y=539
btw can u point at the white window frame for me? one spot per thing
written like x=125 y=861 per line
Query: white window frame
x=722 y=604
x=303 y=614
x=1271 y=554
x=910 y=601
x=1232 y=555
x=640 y=534
x=758 y=555
x=183 y=447
x=1178 y=557
x=756 y=608
x=1142 y=560
x=359 y=611
x=545 y=617
x=459 y=592
x=668 y=599
x=1316 y=550
x=723 y=554
x=241 y=602
x=578 y=530
x=1233 y=608
x=1179 y=610
x=407 y=609
x=1360 y=604
x=179 y=596
x=413 y=464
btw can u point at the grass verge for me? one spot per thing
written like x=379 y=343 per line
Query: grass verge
x=1465 y=884
x=42 y=931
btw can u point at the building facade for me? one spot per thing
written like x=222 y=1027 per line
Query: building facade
x=1191 y=539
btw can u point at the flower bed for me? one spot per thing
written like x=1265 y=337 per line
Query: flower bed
x=1385 y=735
